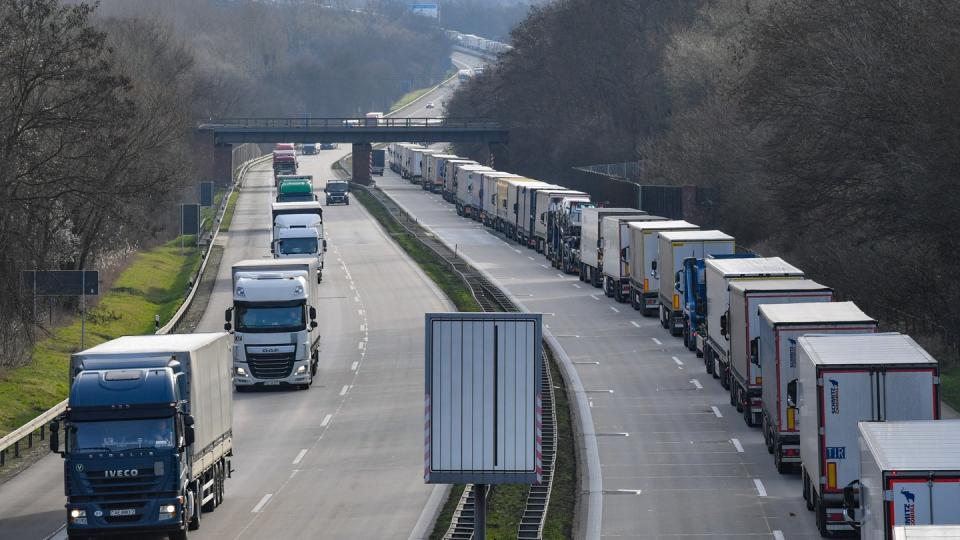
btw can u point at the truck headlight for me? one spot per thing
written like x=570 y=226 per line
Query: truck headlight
x=78 y=517
x=301 y=370
x=168 y=511
x=241 y=372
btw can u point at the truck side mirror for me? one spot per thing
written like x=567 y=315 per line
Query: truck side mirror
x=792 y=393
x=723 y=325
x=273 y=248
x=55 y=437
x=653 y=265
x=850 y=503
x=188 y=433
x=324 y=245
x=677 y=280
x=313 y=313
x=228 y=317
x=624 y=252
x=755 y=351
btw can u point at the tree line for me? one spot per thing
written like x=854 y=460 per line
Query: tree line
x=826 y=128
x=98 y=105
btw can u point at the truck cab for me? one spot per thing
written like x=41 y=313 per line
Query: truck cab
x=274 y=323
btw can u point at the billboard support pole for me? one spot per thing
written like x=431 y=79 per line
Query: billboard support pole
x=480 y=511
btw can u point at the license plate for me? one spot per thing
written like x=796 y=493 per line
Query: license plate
x=123 y=512
x=272 y=383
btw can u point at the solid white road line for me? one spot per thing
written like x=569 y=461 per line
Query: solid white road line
x=262 y=503
x=343 y=391
x=716 y=411
x=761 y=491
x=657 y=341
x=326 y=420
x=634 y=491
x=736 y=444
x=635 y=323
x=299 y=457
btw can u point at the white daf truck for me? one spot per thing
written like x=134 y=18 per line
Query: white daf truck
x=274 y=322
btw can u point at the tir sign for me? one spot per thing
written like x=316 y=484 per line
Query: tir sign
x=483 y=398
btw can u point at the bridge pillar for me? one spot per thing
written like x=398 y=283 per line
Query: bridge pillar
x=361 y=163
x=223 y=164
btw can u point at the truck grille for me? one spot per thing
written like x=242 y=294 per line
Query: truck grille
x=272 y=365
x=144 y=482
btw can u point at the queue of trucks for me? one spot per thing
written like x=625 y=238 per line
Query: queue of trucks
x=854 y=411
x=147 y=435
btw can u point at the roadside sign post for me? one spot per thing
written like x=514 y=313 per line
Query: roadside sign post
x=483 y=402
x=80 y=283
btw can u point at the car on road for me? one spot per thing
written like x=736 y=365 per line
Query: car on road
x=430 y=105
x=328 y=146
x=338 y=191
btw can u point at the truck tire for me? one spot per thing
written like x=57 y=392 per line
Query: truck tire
x=194 y=523
x=782 y=468
x=708 y=362
x=807 y=489
x=608 y=287
x=734 y=402
x=664 y=319
x=618 y=294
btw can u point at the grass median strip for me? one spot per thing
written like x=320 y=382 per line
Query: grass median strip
x=228 y=211
x=506 y=503
x=155 y=283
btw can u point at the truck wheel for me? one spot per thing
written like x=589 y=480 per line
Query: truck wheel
x=724 y=373
x=747 y=414
x=608 y=287
x=807 y=497
x=734 y=402
x=708 y=362
x=194 y=523
x=635 y=300
x=618 y=294
x=782 y=468
x=767 y=437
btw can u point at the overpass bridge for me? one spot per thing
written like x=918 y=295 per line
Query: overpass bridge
x=222 y=134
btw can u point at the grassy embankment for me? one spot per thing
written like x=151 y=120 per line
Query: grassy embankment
x=153 y=284
x=505 y=505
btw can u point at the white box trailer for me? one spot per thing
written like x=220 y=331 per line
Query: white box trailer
x=468 y=182
x=417 y=159
x=845 y=379
x=743 y=329
x=445 y=177
x=488 y=195
x=431 y=176
x=781 y=325
x=543 y=220
x=674 y=248
x=526 y=224
x=909 y=480
x=505 y=214
x=591 y=240
x=635 y=244
x=719 y=273
x=926 y=532
x=516 y=197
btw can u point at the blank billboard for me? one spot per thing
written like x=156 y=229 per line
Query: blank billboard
x=483 y=398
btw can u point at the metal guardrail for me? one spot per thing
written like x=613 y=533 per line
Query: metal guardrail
x=38 y=426
x=350 y=123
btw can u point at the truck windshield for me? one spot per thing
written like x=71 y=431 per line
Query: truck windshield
x=122 y=434
x=285 y=317
x=297 y=246
x=295 y=197
x=337 y=187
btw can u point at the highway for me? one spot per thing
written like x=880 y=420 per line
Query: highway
x=343 y=459
x=676 y=459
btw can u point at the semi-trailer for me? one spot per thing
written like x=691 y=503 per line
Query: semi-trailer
x=147 y=434
x=377 y=159
x=295 y=189
x=781 y=325
x=591 y=241
x=843 y=379
x=466 y=179
x=719 y=272
x=444 y=184
x=273 y=319
x=516 y=198
x=674 y=248
x=564 y=248
x=526 y=223
x=743 y=331
x=488 y=195
x=909 y=480
x=633 y=242
x=430 y=168
x=543 y=226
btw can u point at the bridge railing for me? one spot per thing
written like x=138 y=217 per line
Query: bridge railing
x=350 y=123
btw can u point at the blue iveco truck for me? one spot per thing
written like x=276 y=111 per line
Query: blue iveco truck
x=146 y=436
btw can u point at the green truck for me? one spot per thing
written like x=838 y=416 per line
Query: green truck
x=295 y=189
